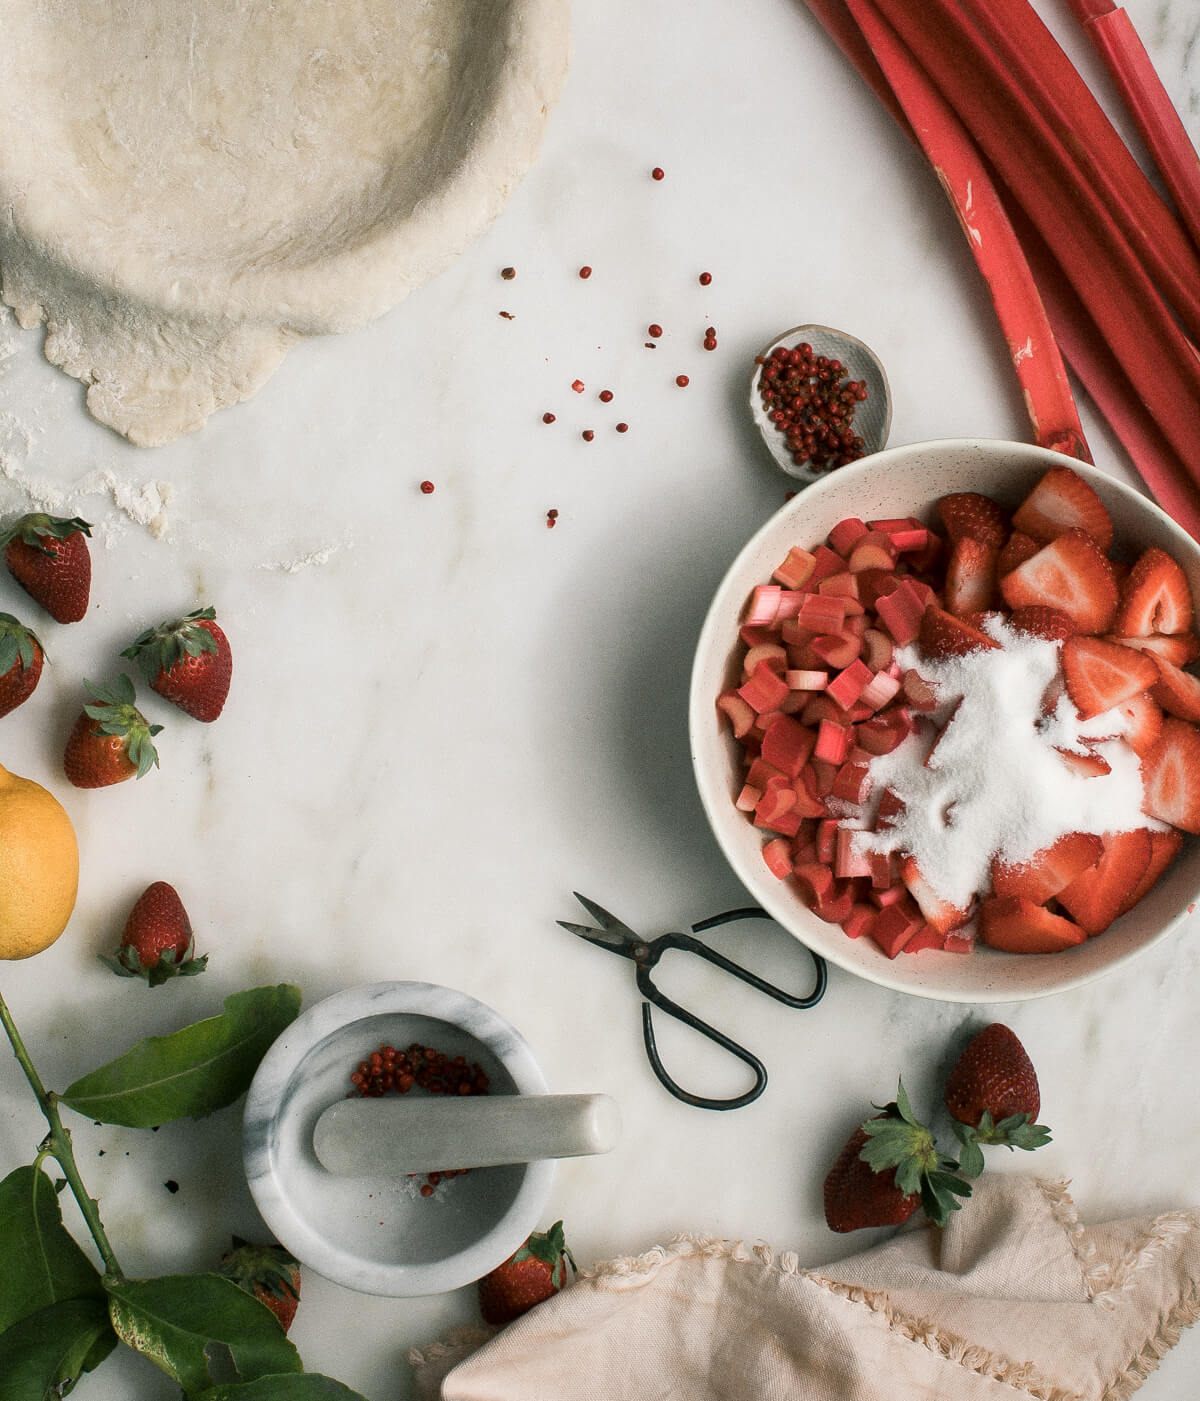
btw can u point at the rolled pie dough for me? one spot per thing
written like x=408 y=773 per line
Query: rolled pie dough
x=188 y=186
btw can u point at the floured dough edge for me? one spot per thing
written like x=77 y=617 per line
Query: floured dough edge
x=154 y=373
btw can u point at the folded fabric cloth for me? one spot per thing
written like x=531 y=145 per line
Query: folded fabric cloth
x=1012 y=1297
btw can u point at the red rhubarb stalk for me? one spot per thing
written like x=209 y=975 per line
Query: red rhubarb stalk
x=1122 y=52
x=998 y=255
x=1036 y=166
x=1026 y=49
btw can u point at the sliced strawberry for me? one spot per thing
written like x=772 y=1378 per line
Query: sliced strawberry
x=1164 y=848
x=1178 y=648
x=1063 y=501
x=1048 y=871
x=1095 y=897
x=1089 y=765
x=1070 y=573
x=1155 y=597
x=939 y=913
x=1016 y=550
x=1142 y=721
x=1020 y=926
x=969 y=515
x=970 y=576
x=1178 y=692
x=1050 y=624
x=943 y=635
x=1100 y=675
x=1171 y=776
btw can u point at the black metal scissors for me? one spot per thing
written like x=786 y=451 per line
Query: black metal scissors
x=616 y=936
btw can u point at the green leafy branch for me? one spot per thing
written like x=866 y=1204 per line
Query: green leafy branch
x=60 y=1317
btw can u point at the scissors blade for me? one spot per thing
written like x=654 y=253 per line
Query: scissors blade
x=601 y=915
x=606 y=938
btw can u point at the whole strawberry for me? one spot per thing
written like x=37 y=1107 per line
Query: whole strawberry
x=48 y=556
x=533 y=1273
x=157 y=941
x=992 y=1094
x=888 y=1168
x=269 y=1273
x=188 y=661
x=112 y=740
x=21 y=659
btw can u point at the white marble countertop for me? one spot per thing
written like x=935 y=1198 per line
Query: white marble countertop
x=445 y=717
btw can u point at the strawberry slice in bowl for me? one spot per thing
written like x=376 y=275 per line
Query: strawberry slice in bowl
x=1060 y=586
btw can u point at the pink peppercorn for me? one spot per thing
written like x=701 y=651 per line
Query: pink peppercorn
x=577 y=386
x=587 y=435
x=654 y=329
x=605 y=396
x=547 y=418
x=704 y=279
x=585 y=272
x=657 y=173
x=427 y=488
x=682 y=381
x=622 y=427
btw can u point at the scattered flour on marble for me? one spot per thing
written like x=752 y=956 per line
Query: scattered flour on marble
x=311 y=560
x=143 y=504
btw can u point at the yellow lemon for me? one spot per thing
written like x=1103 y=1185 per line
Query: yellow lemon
x=39 y=867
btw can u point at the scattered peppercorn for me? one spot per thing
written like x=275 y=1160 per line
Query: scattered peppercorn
x=622 y=427
x=704 y=279
x=171 y=1185
x=710 y=342
x=547 y=418
x=651 y=345
x=508 y=316
x=577 y=386
x=427 y=488
x=508 y=274
x=551 y=518
x=585 y=272
x=605 y=396
x=682 y=381
x=657 y=173
x=811 y=400
x=587 y=435
x=654 y=329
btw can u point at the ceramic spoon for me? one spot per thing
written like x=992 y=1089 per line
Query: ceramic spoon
x=872 y=418
x=396 y=1137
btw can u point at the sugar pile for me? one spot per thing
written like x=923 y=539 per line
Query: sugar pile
x=994 y=785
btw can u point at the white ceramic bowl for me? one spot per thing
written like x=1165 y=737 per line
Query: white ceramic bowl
x=377 y=1235
x=899 y=482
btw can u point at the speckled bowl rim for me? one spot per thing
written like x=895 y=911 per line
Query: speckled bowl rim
x=864 y=489
x=268 y=1184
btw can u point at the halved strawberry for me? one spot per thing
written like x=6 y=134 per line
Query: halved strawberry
x=1164 y=847
x=1071 y=573
x=1171 y=776
x=1016 y=550
x=1050 y=624
x=1020 y=926
x=1156 y=597
x=943 y=635
x=969 y=515
x=970 y=576
x=1178 y=648
x=1100 y=675
x=1048 y=871
x=1095 y=898
x=939 y=913
x=1178 y=692
x=1141 y=723
x=1063 y=501
x=1086 y=765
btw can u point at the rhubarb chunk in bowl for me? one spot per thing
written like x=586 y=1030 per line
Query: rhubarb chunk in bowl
x=945 y=721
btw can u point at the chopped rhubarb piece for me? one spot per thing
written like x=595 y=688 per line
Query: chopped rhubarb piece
x=760 y=773
x=1019 y=926
x=794 y=701
x=844 y=585
x=822 y=613
x=1156 y=597
x=1071 y=573
x=1048 y=871
x=764 y=721
x=1171 y=776
x=756 y=636
x=937 y=911
x=808 y=804
x=920 y=694
x=832 y=741
x=894 y=926
x=890 y=805
x=770 y=652
x=959 y=941
x=821 y=706
x=778 y=856
x=927 y=937
x=775 y=805
x=827 y=562
x=909 y=539
x=883 y=870
x=858 y=922
x=1178 y=692
x=848 y=684
x=838 y=904
x=818 y=776
x=764 y=604
x=845 y=533
x=1095 y=897
x=888 y=895
x=879 y=690
x=1164 y=847
x=787 y=745
x=874 y=583
x=848 y=860
x=877 y=649
x=901 y=611
x=765 y=690
x=801 y=680
x=1060 y=501
x=738 y=712
x=882 y=733
x=790 y=603
x=748 y=799
x=827 y=836
x=814 y=881
x=836 y=651
x=852 y=783
x=874 y=550
x=796 y=569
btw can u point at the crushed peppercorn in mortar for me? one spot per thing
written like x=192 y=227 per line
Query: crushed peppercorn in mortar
x=811 y=400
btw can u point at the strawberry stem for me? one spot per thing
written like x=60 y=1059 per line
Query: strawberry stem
x=58 y=1144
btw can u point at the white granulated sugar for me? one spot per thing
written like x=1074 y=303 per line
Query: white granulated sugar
x=994 y=785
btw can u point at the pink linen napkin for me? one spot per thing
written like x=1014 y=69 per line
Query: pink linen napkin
x=1013 y=1297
